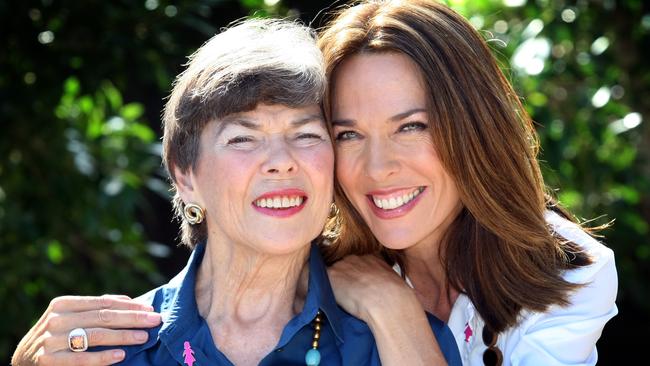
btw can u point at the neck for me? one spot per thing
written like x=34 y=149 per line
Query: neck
x=242 y=293
x=426 y=272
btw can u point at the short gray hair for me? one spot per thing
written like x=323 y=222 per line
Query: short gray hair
x=254 y=61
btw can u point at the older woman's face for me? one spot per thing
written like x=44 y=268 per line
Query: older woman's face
x=386 y=160
x=264 y=177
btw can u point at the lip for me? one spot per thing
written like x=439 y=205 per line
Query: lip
x=386 y=192
x=285 y=212
x=397 y=212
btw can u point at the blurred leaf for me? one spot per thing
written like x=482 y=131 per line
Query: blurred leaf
x=132 y=111
x=628 y=194
x=55 y=252
x=144 y=133
x=252 y=4
x=571 y=199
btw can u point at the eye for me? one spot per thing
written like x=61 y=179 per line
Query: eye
x=308 y=136
x=346 y=135
x=413 y=127
x=305 y=139
x=240 y=140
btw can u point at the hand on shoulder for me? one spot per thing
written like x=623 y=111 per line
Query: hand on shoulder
x=105 y=319
x=367 y=287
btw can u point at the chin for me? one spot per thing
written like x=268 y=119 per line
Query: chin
x=395 y=245
x=282 y=247
x=395 y=241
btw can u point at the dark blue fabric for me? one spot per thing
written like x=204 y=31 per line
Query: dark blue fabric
x=345 y=340
x=446 y=340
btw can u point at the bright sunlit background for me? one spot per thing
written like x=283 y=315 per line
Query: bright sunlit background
x=83 y=199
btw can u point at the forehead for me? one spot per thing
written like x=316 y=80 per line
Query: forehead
x=270 y=115
x=377 y=81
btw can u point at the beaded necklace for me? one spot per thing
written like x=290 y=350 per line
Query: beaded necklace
x=312 y=357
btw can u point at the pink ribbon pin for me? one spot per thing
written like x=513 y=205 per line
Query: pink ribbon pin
x=188 y=354
x=468 y=332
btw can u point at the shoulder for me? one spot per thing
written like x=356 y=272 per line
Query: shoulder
x=445 y=339
x=578 y=325
x=603 y=268
x=136 y=355
x=356 y=331
x=161 y=299
x=359 y=347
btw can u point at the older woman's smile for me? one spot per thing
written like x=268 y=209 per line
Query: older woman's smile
x=281 y=203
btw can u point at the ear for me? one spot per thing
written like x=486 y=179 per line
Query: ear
x=185 y=184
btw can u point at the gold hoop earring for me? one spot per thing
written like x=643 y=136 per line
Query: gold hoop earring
x=193 y=213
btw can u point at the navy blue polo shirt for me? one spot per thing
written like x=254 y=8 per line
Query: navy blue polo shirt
x=345 y=340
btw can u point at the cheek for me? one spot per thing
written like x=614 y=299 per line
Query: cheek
x=445 y=185
x=229 y=173
x=453 y=196
x=349 y=172
x=319 y=161
x=344 y=173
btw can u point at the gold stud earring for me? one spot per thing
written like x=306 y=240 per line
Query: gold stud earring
x=193 y=213
x=334 y=211
x=334 y=222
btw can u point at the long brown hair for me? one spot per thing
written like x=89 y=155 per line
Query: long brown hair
x=499 y=250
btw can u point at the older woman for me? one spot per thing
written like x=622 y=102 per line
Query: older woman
x=250 y=157
x=436 y=162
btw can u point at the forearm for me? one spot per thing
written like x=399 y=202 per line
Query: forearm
x=404 y=336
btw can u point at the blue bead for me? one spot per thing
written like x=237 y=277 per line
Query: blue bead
x=312 y=358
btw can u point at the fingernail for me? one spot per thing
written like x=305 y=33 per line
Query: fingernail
x=118 y=354
x=148 y=308
x=140 y=336
x=153 y=318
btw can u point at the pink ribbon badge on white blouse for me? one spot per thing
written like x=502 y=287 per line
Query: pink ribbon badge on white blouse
x=468 y=332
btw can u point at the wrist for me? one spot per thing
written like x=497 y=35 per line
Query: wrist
x=394 y=308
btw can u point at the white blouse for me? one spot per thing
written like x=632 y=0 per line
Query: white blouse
x=561 y=335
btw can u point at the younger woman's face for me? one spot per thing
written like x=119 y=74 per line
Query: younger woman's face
x=387 y=163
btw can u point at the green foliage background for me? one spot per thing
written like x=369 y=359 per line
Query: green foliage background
x=82 y=85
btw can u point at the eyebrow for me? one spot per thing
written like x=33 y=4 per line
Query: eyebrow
x=403 y=115
x=395 y=118
x=236 y=120
x=308 y=119
x=246 y=123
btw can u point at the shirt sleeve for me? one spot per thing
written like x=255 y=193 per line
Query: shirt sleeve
x=446 y=341
x=568 y=335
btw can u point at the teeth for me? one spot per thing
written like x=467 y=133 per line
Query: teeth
x=377 y=202
x=279 y=202
x=395 y=202
x=392 y=202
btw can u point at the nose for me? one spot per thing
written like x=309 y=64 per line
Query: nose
x=280 y=160
x=380 y=161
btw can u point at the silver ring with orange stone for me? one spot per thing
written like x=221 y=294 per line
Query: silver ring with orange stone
x=78 y=340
